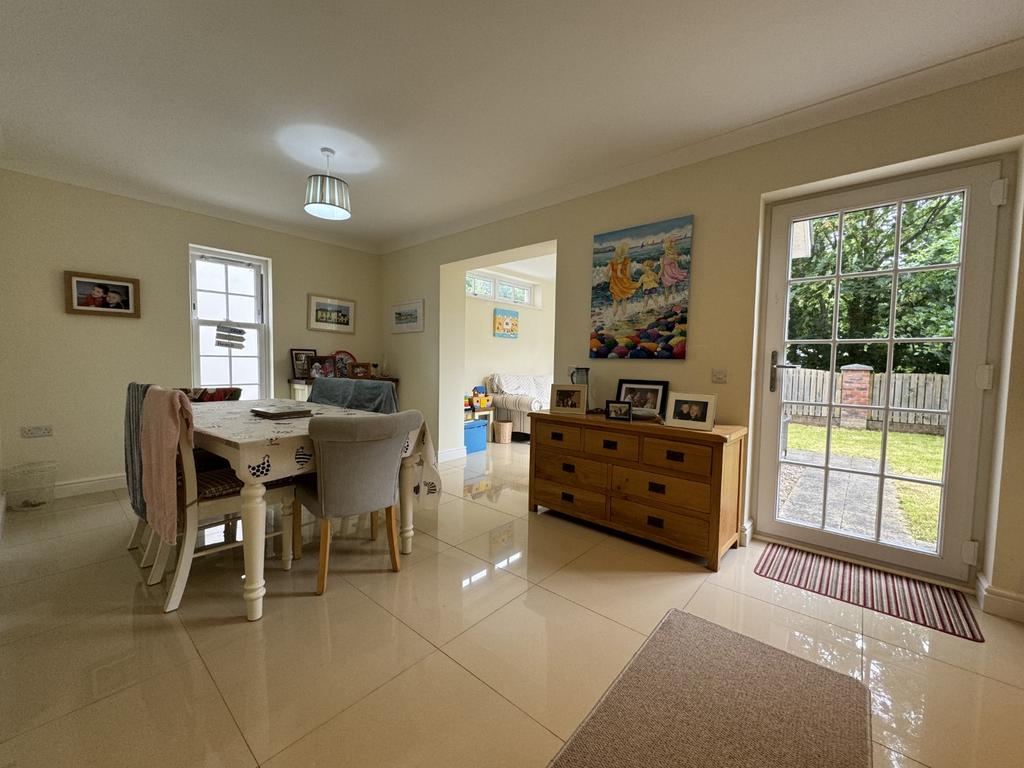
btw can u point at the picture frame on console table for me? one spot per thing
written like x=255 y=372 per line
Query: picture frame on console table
x=644 y=393
x=691 y=411
x=300 y=362
x=569 y=398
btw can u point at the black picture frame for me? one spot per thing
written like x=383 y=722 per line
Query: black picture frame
x=622 y=392
x=300 y=362
x=613 y=410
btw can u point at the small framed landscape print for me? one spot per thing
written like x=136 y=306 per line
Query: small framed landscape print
x=407 y=317
x=569 y=398
x=326 y=314
x=321 y=367
x=641 y=393
x=691 y=411
x=87 y=294
x=300 y=362
x=618 y=410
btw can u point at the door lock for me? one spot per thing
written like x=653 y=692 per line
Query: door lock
x=773 y=377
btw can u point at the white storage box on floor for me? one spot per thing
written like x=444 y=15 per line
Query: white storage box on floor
x=30 y=486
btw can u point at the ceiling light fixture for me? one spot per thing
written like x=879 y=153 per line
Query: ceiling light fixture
x=326 y=195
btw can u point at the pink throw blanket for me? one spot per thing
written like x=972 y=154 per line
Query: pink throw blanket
x=165 y=413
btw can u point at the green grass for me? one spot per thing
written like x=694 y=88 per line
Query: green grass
x=909 y=455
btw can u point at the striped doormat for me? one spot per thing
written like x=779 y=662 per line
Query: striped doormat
x=922 y=603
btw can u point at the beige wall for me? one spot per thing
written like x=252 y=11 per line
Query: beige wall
x=725 y=196
x=532 y=353
x=71 y=371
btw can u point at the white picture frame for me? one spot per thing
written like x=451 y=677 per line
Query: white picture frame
x=569 y=398
x=329 y=314
x=407 y=316
x=691 y=411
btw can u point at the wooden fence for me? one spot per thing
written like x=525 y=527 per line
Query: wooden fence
x=923 y=391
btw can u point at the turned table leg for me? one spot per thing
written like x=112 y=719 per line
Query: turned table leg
x=254 y=524
x=407 y=501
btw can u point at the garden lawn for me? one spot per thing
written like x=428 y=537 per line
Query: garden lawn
x=910 y=454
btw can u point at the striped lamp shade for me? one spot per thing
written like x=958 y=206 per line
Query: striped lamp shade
x=327 y=197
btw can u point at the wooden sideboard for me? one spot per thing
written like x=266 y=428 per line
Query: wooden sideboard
x=675 y=486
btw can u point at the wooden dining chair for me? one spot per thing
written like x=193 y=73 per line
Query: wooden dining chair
x=357 y=461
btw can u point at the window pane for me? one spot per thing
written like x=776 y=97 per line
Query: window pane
x=207 y=341
x=802 y=434
x=813 y=244
x=213 y=372
x=469 y=285
x=801 y=495
x=810 y=382
x=921 y=379
x=864 y=307
x=242 y=309
x=810 y=310
x=930 y=230
x=211 y=306
x=921 y=358
x=926 y=304
x=856 y=441
x=250 y=392
x=916 y=444
x=522 y=295
x=482 y=287
x=852 y=504
x=209 y=276
x=250 y=343
x=245 y=370
x=505 y=291
x=860 y=375
x=242 y=280
x=869 y=239
x=910 y=514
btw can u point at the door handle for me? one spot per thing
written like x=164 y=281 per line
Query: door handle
x=569 y=468
x=653 y=487
x=675 y=456
x=556 y=436
x=567 y=497
x=655 y=522
x=610 y=445
x=773 y=376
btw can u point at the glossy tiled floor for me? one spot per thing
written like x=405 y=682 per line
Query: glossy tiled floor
x=500 y=633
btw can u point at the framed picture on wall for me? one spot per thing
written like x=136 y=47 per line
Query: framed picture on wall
x=407 y=317
x=300 y=362
x=506 y=323
x=327 y=314
x=90 y=294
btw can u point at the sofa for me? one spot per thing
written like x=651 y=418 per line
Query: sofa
x=516 y=395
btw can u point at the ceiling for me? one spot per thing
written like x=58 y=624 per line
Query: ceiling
x=441 y=113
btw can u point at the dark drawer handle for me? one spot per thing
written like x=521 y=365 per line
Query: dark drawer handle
x=675 y=456
x=611 y=445
x=567 y=497
x=656 y=487
x=570 y=468
x=557 y=436
x=655 y=522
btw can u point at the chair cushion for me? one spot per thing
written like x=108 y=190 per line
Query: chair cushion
x=221 y=483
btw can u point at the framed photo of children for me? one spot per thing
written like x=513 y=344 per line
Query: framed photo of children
x=300 y=362
x=691 y=411
x=642 y=393
x=87 y=294
x=326 y=314
x=569 y=398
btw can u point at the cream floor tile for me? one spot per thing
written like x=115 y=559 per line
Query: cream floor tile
x=826 y=644
x=361 y=555
x=737 y=573
x=505 y=498
x=43 y=558
x=174 y=720
x=1001 y=656
x=941 y=715
x=23 y=527
x=631 y=583
x=442 y=596
x=288 y=677
x=576 y=527
x=883 y=757
x=457 y=520
x=49 y=675
x=533 y=547
x=549 y=657
x=433 y=714
x=43 y=604
x=82 y=500
x=121 y=494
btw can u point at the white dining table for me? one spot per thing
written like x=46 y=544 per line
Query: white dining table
x=263 y=450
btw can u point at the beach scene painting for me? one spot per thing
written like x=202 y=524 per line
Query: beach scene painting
x=640 y=291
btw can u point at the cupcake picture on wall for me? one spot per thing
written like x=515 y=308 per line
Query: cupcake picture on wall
x=640 y=291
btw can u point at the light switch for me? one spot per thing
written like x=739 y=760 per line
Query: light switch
x=719 y=376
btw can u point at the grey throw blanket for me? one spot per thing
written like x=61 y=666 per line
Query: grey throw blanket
x=357 y=394
x=133 y=446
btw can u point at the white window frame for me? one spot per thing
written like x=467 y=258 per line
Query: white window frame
x=263 y=324
x=496 y=280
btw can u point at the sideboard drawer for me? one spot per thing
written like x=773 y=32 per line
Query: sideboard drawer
x=683 y=457
x=561 y=470
x=558 y=436
x=689 y=533
x=611 y=445
x=662 y=489
x=572 y=500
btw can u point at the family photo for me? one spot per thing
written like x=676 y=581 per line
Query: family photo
x=100 y=294
x=690 y=410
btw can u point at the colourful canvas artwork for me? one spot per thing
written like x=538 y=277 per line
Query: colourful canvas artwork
x=506 y=323
x=640 y=291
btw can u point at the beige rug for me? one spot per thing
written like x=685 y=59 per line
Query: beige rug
x=698 y=695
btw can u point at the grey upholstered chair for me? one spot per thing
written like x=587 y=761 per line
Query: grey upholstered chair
x=357 y=461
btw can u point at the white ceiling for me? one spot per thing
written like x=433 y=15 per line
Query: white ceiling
x=441 y=113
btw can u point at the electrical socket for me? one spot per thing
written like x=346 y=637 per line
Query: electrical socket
x=42 y=430
x=719 y=376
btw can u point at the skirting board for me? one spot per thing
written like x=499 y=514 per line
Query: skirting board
x=451 y=454
x=999 y=602
x=88 y=485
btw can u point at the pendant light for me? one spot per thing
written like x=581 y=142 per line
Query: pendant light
x=326 y=195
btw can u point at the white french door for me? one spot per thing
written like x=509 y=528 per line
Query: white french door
x=876 y=324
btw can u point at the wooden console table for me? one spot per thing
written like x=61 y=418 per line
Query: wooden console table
x=679 y=487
